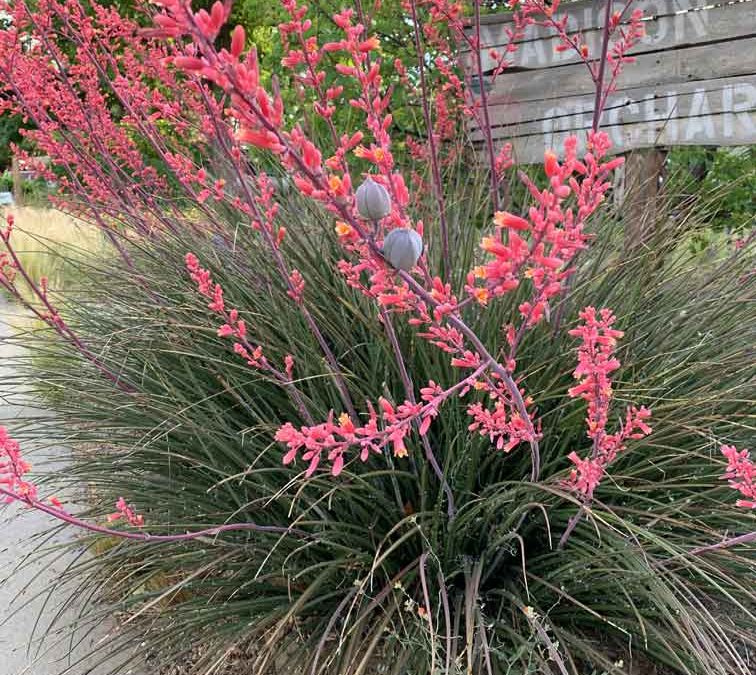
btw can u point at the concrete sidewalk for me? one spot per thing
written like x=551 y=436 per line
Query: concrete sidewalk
x=24 y=618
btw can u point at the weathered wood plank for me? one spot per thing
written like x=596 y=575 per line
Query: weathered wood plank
x=690 y=99
x=718 y=129
x=667 y=68
x=664 y=32
x=583 y=15
x=693 y=82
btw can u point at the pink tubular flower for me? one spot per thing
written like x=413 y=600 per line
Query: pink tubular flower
x=383 y=431
x=596 y=362
x=741 y=475
x=505 y=431
x=14 y=487
x=234 y=326
x=127 y=512
x=541 y=246
x=297 y=286
x=13 y=468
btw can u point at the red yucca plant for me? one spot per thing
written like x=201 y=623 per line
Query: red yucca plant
x=163 y=131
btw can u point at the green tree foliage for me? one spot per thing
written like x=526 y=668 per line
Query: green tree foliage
x=9 y=127
x=726 y=177
x=261 y=18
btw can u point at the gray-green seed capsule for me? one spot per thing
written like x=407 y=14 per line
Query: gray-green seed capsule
x=373 y=200
x=402 y=248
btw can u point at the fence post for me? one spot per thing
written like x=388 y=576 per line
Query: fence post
x=643 y=172
x=18 y=196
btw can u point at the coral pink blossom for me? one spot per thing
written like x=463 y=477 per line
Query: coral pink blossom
x=741 y=474
x=123 y=510
x=13 y=468
x=386 y=429
x=596 y=363
x=14 y=486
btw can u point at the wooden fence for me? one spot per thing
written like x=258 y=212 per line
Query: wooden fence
x=693 y=83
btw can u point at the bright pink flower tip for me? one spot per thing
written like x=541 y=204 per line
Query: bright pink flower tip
x=740 y=474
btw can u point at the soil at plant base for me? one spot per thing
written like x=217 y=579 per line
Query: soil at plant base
x=237 y=662
x=37 y=612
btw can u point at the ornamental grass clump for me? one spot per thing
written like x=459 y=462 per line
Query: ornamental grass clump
x=356 y=410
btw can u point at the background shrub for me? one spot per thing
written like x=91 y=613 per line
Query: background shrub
x=370 y=571
x=193 y=448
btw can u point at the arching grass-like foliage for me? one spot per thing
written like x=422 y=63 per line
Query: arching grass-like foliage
x=373 y=577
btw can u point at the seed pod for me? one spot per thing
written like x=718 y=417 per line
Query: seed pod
x=373 y=201
x=402 y=248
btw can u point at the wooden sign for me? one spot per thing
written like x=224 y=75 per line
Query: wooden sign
x=693 y=82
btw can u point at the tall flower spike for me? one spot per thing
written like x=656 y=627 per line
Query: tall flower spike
x=596 y=362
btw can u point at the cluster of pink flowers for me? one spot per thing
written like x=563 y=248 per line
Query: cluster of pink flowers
x=502 y=424
x=264 y=216
x=556 y=231
x=13 y=468
x=14 y=487
x=71 y=121
x=390 y=428
x=741 y=474
x=124 y=510
x=596 y=363
x=234 y=326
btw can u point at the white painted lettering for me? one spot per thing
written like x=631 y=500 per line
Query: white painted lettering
x=728 y=117
x=533 y=53
x=700 y=124
x=745 y=109
x=552 y=119
x=698 y=21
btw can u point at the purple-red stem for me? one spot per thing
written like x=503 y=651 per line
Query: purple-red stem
x=146 y=536
x=571 y=525
x=506 y=377
x=50 y=319
x=597 y=106
x=727 y=543
x=577 y=517
x=484 y=104
x=62 y=70
x=438 y=188
x=410 y=389
x=598 y=109
x=283 y=379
